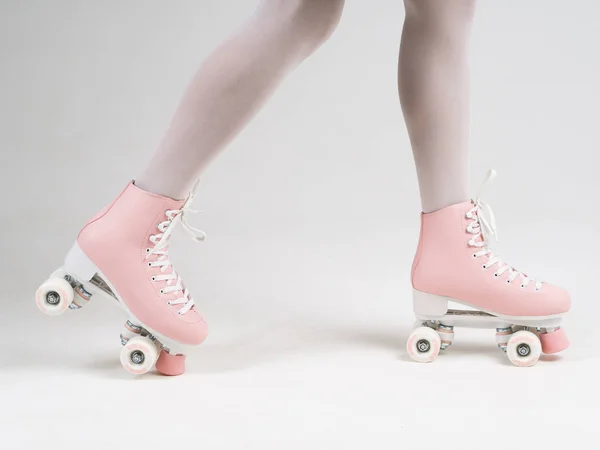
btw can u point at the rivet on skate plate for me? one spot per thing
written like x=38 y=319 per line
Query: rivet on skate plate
x=523 y=350
x=423 y=346
x=137 y=357
x=52 y=298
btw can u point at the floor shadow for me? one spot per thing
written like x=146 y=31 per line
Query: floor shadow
x=260 y=348
x=550 y=358
x=239 y=352
x=246 y=350
x=256 y=349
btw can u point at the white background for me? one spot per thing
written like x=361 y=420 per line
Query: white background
x=312 y=218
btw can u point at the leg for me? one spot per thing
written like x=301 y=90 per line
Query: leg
x=434 y=92
x=122 y=253
x=453 y=260
x=233 y=83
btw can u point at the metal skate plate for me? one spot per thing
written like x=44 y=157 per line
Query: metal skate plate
x=101 y=284
x=467 y=319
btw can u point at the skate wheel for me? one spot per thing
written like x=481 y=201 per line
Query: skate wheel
x=423 y=344
x=523 y=348
x=139 y=355
x=54 y=296
x=417 y=324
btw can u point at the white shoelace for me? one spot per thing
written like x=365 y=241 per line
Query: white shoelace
x=483 y=225
x=161 y=242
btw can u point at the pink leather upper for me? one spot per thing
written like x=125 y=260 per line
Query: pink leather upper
x=444 y=265
x=116 y=240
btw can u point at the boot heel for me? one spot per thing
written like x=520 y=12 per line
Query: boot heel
x=79 y=265
x=429 y=304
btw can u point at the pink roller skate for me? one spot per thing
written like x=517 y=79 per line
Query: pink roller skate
x=454 y=264
x=122 y=254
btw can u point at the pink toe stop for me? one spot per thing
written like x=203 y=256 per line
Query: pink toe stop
x=554 y=342
x=171 y=365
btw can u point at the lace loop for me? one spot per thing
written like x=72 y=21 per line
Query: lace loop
x=174 y=283
x=483 y=227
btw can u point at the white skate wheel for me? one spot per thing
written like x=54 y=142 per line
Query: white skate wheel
x=139 y=355
x=423 y=344
x=54 y=296
x=417 y=324
x=524 y=348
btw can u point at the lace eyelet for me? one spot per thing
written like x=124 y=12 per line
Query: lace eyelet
x=162 y=291
x=484 y=267
x=474 y=255
x=507 y=281
x=149 y=264
x=496 y=275
x=147 y=250
x=169 y=303
x=179 y=313
x=522 y=286
x=153 y=278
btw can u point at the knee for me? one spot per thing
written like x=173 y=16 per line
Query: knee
x=452 y=11
x=312 y=22
x=319 y=17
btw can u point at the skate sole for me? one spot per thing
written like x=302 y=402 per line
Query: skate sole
x=431 y=307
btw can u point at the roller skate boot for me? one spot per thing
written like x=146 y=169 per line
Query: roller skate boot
x=454 y=263
x=122 y=255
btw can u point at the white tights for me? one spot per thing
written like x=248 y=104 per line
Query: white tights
x=433 y=80
x=242 y=73
x=232 y=85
